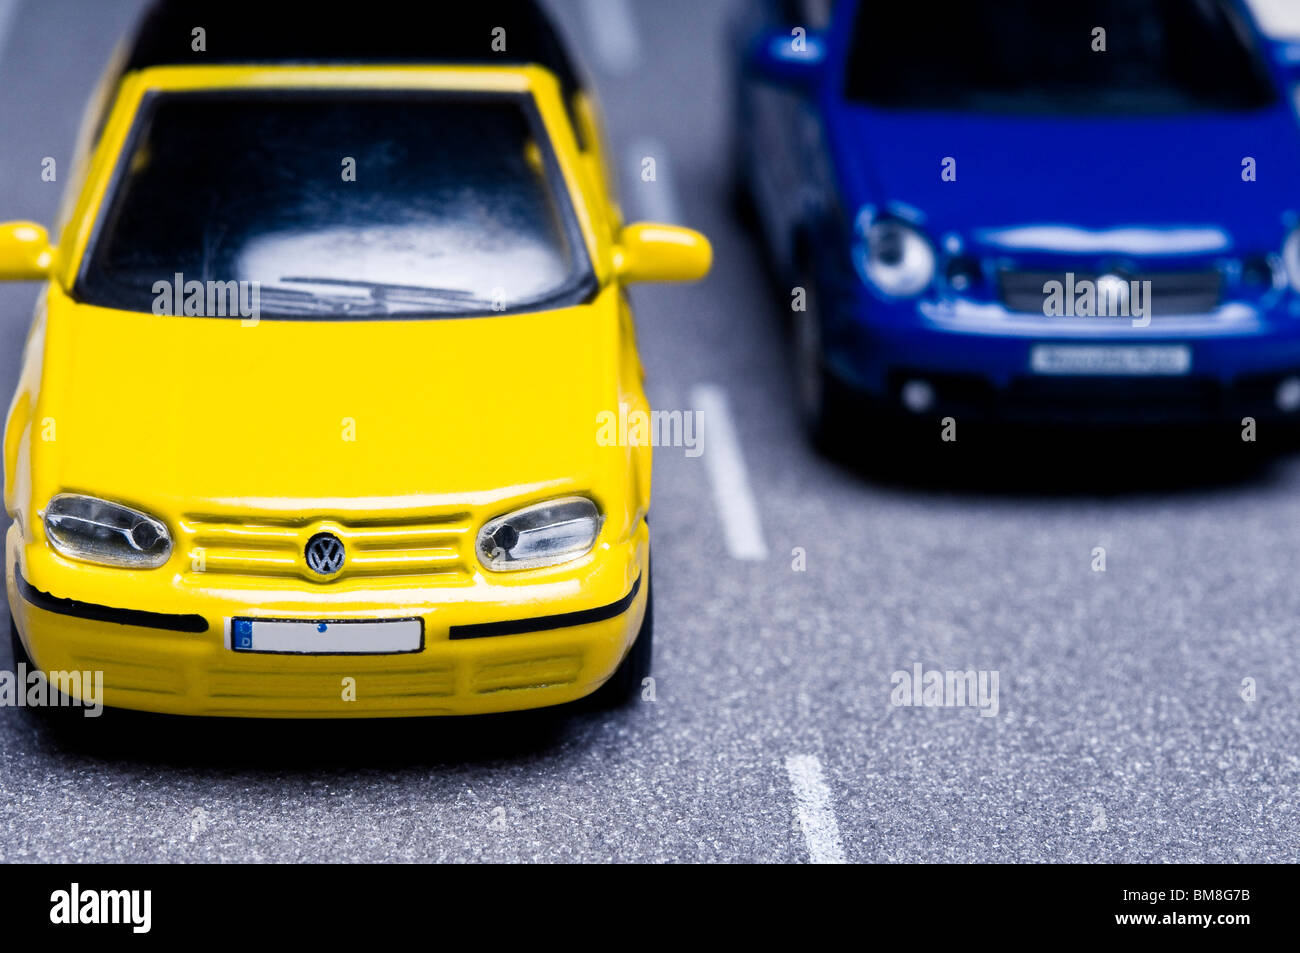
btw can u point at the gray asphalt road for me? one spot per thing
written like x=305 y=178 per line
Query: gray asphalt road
x=1121 y=732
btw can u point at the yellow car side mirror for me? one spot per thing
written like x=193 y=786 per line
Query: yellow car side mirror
x=25 y=252
x=648 y=251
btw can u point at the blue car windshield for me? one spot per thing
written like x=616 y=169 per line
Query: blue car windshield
x=1155 y=57
x=338 y=204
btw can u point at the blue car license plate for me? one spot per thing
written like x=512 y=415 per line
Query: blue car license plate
x=1108 y=360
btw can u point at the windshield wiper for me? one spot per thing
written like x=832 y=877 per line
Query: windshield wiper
x=290 y=302
x=382 y=293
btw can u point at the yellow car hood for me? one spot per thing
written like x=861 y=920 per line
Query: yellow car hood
x=175 y=412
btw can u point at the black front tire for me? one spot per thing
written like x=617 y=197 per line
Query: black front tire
x=57 y=714
x=17 y=647
x=825 y=405
x=743 y=207
x=625 y=684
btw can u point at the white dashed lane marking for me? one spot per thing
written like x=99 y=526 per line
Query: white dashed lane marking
x=654 y=197
x=7 y=10
x=613 y=33
x=813 y=805
x=727 y=473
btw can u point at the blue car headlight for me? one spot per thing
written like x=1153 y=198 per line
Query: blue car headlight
x=894 y=257
x=1291 y=258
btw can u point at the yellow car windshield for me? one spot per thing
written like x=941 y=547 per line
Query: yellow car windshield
x=340 y=204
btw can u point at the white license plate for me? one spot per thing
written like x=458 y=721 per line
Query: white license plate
x=1106 y=360
x=333 y=637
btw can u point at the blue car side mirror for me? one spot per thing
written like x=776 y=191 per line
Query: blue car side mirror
x=790 y=57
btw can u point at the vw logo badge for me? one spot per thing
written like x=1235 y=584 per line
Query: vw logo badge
x=1112 y=296
x=324 y=554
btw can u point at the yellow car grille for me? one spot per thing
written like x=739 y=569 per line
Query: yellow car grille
x=437 y=545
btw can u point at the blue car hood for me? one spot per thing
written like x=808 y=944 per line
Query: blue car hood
x=1141 y=186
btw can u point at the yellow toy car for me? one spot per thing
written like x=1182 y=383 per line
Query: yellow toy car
x=307 y=419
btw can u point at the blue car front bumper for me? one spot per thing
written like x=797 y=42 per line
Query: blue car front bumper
x=979 y=359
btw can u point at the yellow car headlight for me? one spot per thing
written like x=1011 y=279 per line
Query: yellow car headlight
x=544 y=534
x=95 y=530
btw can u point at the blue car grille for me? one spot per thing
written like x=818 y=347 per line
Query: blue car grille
x=1172 y=292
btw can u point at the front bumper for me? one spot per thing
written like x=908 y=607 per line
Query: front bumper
x=488 y=648
x=981 y=364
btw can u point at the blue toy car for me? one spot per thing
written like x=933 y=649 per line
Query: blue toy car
x=1080 y=211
